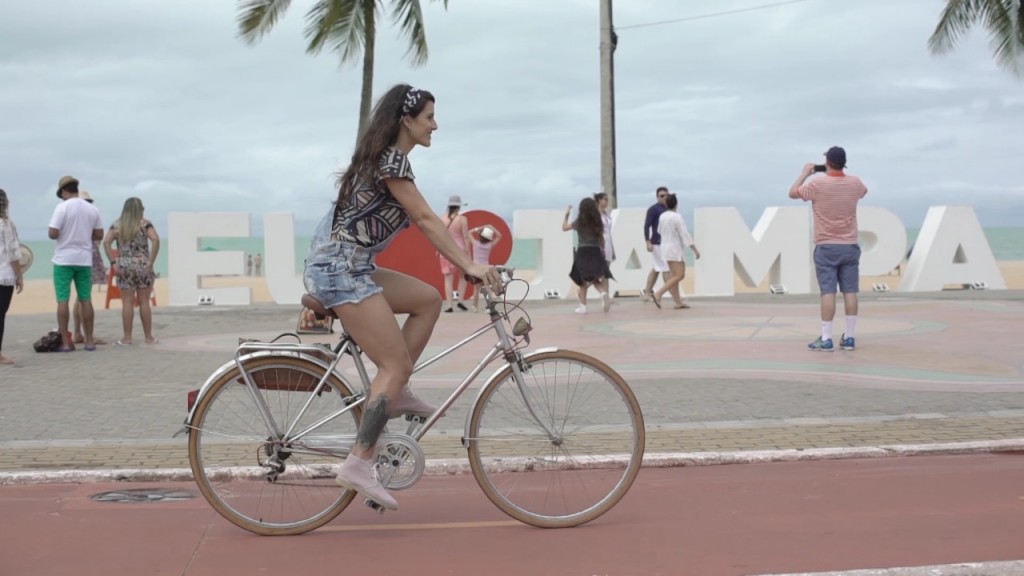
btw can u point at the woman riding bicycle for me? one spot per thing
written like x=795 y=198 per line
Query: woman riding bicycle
x=377 y=198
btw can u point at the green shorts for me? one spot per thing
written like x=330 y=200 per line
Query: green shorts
x=64 y=275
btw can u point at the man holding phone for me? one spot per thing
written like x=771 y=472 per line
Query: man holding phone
x=834 y=199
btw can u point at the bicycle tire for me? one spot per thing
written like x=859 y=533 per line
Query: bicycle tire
x=488 y=470
x=205 y=479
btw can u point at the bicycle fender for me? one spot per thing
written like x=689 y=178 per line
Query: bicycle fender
x=490 y=382
x=228 y=366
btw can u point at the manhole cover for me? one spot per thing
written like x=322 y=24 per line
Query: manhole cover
x=144 y=495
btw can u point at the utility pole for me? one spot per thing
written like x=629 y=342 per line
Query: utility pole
x=608 y=42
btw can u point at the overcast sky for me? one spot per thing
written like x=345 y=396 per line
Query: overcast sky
x=159 y=99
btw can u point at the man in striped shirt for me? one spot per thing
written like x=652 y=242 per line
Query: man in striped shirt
x=833 y=199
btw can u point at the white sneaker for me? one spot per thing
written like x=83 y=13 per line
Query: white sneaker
x=407 y=403
x=606 y=301
x=581 y=309
x=357 y=474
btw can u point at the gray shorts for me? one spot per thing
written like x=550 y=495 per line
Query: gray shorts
x=838 y=264
x=341 y=273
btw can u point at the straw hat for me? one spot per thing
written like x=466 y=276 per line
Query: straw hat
x=65 y=181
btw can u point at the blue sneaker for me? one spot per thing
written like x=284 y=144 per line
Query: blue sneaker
x=820 y=345
x=847 y=343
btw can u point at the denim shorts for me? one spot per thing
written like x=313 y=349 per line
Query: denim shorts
x=838 y=264
x=341 y=273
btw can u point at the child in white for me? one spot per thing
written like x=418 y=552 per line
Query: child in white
x=483 y=238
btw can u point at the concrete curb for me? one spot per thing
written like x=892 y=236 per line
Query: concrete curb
x=970 y=569
x=442 y=467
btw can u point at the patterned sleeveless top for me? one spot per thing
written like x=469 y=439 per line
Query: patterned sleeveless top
x=372 y=216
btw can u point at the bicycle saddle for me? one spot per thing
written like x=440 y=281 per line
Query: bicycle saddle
x=318 y=309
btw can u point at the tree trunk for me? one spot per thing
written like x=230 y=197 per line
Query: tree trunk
x=366 y=98
x=607 y=80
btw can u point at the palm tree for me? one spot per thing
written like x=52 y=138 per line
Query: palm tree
x=1004 y=20
x=345 y=26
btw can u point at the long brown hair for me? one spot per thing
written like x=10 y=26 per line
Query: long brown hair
x=3 y=204
x=589 y=219
x=380 y=134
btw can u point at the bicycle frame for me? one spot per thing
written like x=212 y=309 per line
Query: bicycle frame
x=505 y=347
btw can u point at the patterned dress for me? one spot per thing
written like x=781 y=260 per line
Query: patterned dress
x=133 y=260
x=99 y=270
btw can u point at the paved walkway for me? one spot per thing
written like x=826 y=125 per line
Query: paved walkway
x=727 y=375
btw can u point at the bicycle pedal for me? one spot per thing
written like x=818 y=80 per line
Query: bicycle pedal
x=416 y=418
x=374 y=506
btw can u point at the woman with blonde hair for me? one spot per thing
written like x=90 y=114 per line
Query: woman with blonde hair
x=11 y=280
x=137 y=247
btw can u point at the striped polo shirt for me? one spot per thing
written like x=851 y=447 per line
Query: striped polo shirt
x=833 y=199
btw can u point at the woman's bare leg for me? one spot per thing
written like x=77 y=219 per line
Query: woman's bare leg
x=407 y=295
x=677 y=271
x=127 y=313
x=449 y=281
x=146 y=313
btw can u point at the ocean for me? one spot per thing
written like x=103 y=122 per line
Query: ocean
x=1007 y=245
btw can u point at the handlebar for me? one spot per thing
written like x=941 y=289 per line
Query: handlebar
x=506 y=272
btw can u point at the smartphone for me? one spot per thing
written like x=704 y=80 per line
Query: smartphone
x=820 y=167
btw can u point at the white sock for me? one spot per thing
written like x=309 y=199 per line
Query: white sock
x=851 y=326
x=826 y=330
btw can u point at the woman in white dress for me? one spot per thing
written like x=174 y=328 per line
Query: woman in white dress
x=674 y=240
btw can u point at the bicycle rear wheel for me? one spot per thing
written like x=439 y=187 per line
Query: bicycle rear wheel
x=253 y=477
x=580 y=470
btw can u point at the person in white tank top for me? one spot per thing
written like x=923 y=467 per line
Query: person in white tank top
x=483 y=238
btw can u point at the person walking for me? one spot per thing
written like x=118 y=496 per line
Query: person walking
x=834 y=197
x=675 y=238
x=589 y=266
x=458 y=229
x=137 y=247
x=11 y=280
x=653 y=239
x=75 y=224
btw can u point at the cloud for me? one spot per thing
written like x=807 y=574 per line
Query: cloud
x=160 y=99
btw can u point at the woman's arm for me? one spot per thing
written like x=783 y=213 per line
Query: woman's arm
x=154 y=241
x=566 y=226
x=465 y=235
x=108 y=242
x=13 y=254
x=429 y=223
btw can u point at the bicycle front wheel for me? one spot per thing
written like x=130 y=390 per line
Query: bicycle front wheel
x=251 y=473
x=564 y=448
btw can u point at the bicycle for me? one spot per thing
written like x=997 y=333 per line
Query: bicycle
x=298 y=416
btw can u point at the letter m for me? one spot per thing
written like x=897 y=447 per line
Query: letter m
x=778 y=247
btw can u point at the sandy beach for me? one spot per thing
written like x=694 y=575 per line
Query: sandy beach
x=38 y=296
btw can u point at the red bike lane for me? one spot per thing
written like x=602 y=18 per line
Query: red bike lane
x=701 y=521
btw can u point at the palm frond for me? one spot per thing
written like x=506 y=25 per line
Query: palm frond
x=408 y=15
x=1002 y=19
x=339 y=25
x=1005 y=35
x=257 y=17
x=956 y=20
